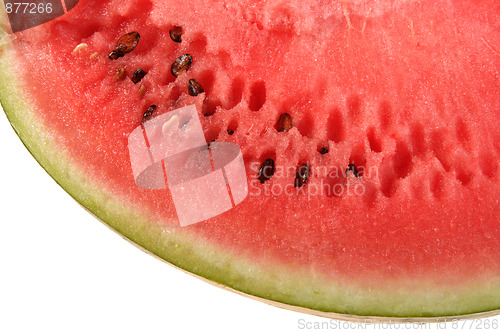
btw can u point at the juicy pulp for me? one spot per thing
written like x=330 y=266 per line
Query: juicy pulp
x=408 y=92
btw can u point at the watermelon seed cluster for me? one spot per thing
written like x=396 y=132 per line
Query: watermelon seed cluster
x=128 y=43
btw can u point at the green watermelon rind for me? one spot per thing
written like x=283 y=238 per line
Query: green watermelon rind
x=298 y=291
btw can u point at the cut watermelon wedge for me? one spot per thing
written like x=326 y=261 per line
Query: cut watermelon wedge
x=368 y=135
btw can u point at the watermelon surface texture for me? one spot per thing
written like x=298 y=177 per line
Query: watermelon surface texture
x=378 y=119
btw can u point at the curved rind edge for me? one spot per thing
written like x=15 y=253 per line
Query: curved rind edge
x=220 y=268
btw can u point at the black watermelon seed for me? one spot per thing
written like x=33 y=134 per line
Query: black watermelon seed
x=181 y=64
x=284 y=123
x=266 y=170
x=115 y=55
x=138 y=75
x=149 y=113
x=230 y=132
x=302 y=175
x=176 y=34
x=353 y=169
x=127 y=42
x=194 y=87
x=323 y=151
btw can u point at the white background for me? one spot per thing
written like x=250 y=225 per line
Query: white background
x=61 y=270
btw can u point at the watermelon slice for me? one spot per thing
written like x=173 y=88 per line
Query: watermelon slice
x=367 y=131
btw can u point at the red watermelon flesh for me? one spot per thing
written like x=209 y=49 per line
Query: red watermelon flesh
x=407 y=92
